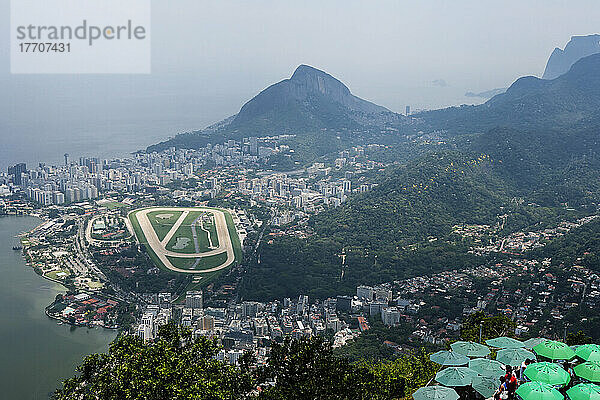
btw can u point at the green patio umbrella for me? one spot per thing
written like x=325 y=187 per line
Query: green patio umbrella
x=531 y=343
x=589 y=370
x=486 y=367
x=554 y=350
x=455 y=376
x=549 y=373
x=453 y=358
x=485 y=386
x=514 y=357
x=470 y=349
x=584 y=391
x=538 y=391
x=504 y=343
x=589 y=352
x=435 y=393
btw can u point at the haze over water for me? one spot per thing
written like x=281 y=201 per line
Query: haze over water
x=112 y=116
x=209 y=58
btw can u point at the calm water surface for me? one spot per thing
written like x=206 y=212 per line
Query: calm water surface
x=36 y=352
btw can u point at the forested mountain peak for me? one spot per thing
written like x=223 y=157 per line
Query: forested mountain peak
x=308 y=102
x=308 y=95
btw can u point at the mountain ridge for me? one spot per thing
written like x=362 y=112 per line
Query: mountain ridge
x=531 y=153
x=565 y=100
x=560 y=61
x=306 y=81
x=309 y=101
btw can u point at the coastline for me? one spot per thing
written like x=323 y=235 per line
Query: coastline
x=67 y=322
x=64 y=288
x=38 y=352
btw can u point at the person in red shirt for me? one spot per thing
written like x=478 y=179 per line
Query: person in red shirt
x=511 y=381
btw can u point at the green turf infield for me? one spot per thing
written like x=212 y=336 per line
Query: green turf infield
x=163 y=221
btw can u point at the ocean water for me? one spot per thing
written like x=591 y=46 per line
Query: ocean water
x=44 y=116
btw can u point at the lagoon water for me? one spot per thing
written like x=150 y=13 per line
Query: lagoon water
x=36 y=352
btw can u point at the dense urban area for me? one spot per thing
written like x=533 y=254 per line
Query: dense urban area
x=85 y=241
x=319 y=246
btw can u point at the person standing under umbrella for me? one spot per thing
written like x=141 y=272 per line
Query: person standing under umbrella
x=502 y=392
x=569 y=368
x=524 y=364
x=511 y=382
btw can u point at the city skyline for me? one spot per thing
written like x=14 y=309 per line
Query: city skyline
x=426 y=55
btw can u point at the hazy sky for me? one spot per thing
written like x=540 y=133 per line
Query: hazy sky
x=209 y=57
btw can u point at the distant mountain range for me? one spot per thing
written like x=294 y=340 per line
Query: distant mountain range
x=310 y=101
x=316 y=107
x=529 y=101
x=487 y=94
x=560 y=61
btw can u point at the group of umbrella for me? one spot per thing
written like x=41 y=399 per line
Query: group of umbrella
x=469 y=366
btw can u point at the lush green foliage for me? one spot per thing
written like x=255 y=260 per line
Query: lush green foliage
x=317 y=269
x=548 y=167
x=489 y=327
x=303 y=266
x=173 y=367
x=177 y=367
x=308 y=369
x=415 y=202
x=574 y=339
x=584 y=320
x=581 y=246
x=370 y=345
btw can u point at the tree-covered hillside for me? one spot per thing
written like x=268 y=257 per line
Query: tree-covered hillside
x=404 y=226
x=418 y=201
x=530 y=102
x=580 y=246
x=548 y=166
x=178 y=367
